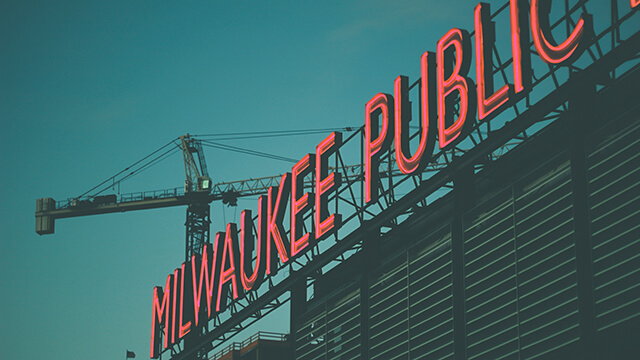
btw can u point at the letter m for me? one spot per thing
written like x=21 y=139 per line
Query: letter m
x=158 y=322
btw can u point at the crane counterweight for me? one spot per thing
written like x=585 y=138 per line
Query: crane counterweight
x=45 y=223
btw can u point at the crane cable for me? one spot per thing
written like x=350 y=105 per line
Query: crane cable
x=246 y=151
x=112 y=178
x=153 y=162
x=210 y=143
x=273 y=133
x=262 y=134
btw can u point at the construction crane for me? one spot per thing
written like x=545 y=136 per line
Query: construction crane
x=196 y=195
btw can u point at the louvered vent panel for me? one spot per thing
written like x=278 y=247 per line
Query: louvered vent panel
x=547 y=281
x=614 y=200
x=311 y=336
x=388 y=311
x=430 y=299
x=490 y=280
x=343 y=327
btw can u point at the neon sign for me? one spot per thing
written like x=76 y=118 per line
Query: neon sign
x=226 y=267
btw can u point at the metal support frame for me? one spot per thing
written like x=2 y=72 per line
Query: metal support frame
x=197 y=229
x=197 y=234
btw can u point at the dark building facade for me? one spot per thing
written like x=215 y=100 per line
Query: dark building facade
x=537 y=255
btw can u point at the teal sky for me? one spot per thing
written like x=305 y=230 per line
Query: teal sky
x=88 y=87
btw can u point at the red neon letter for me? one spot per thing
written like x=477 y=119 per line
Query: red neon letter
x=246 y=247
x=635 y=3
x=156 y=317
x=324 y=183
x=174 y=323
x=419 y=160
x=521 y=55
x=196 y=284
x=185 y=328
x=275 y=215
x=379 y=105
x=459 y=40
x=229 y=251
x=541 y=30
x=206 y=275
x=300 y=203
x=485 y=37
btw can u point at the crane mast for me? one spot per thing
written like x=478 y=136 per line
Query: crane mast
x=197 y=187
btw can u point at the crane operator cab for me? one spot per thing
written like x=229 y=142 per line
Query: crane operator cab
x=202 y=185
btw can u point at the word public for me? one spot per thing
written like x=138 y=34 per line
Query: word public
x=198 y=289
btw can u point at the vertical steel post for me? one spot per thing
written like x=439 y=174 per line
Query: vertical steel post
x=463 y=194
x=582 y=115
x=370 y=261
x=298 y=307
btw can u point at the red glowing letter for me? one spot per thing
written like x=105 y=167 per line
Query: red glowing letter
x=380 y=105
x=521 y=55
x=459 y=40
x=229 y=251
x=174 y=323
x=156 y=317
x=324 y=183
x=185 y=328
x=571 y=48
x=635 y=3
x=246 y=247
x=300 y=203
x=485 y=37
x=417 y=162
x=205 y=274
x=275 y=215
